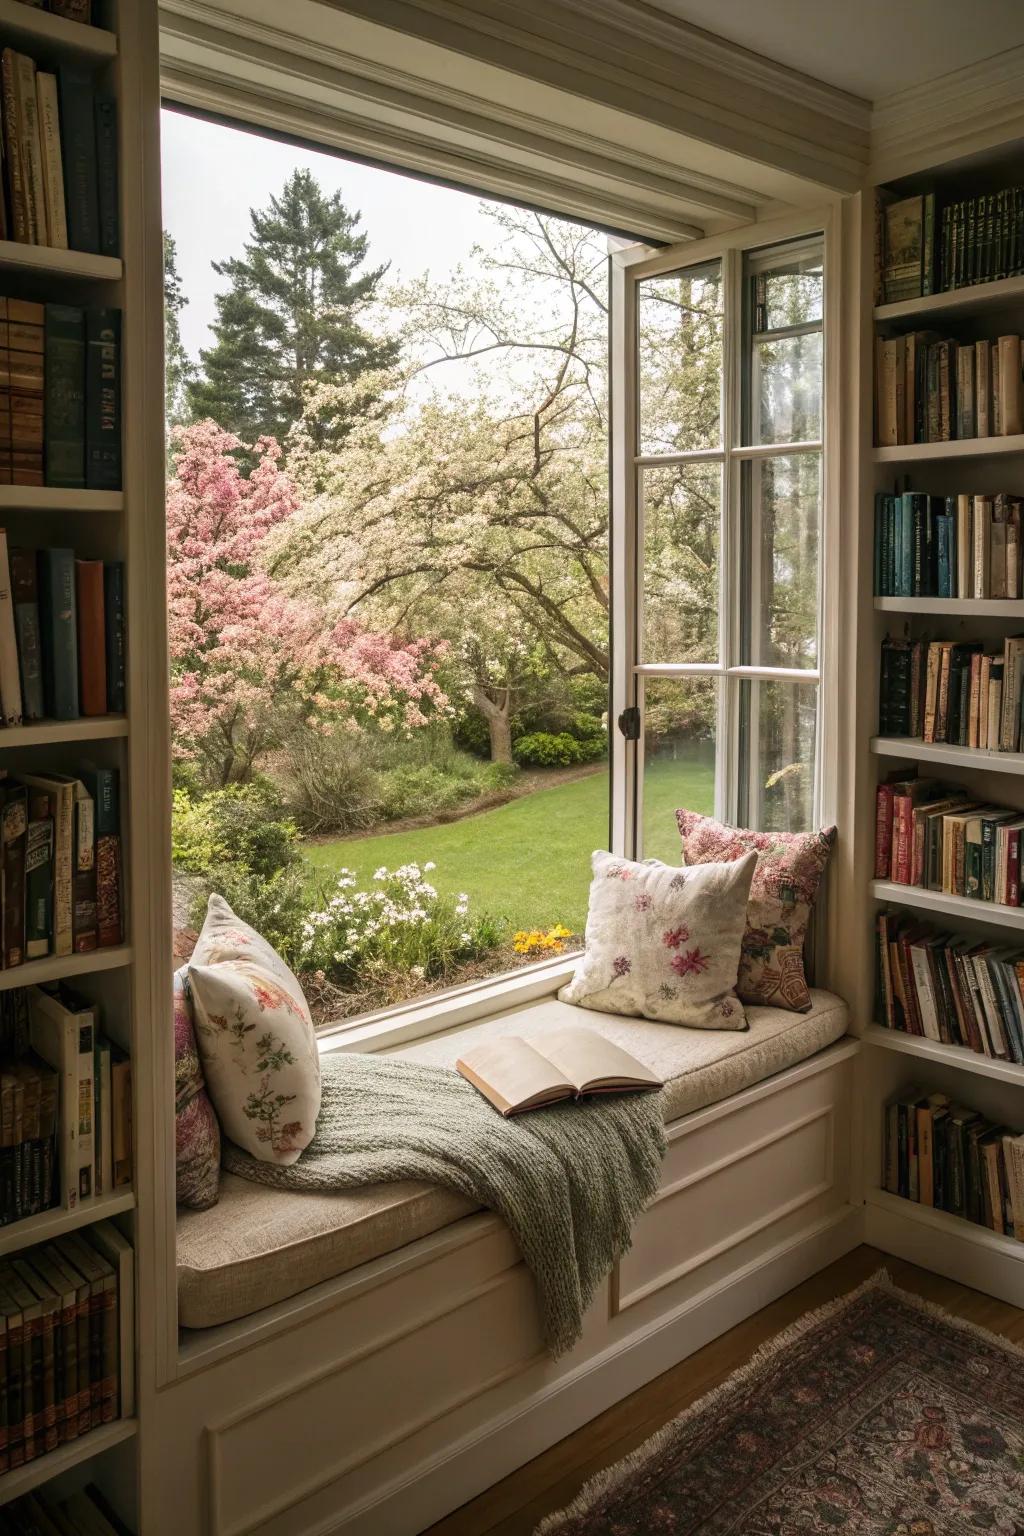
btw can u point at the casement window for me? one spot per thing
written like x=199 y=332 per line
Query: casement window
x=718 y=431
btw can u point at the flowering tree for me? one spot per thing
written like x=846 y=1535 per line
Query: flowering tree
x=250 y=659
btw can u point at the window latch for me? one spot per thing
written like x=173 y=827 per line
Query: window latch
x=629 y=723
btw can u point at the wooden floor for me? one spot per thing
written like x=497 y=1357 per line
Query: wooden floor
x=514 y=1507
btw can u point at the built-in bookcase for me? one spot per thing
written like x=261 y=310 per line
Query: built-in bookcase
x=894 y=1061
x=129 y=982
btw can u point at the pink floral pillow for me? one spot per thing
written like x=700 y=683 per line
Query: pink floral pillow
x=197 y=1134
x=256 y=1039
x=789 y=870
x=663 y=943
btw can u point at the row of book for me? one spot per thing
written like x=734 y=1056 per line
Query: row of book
x=73 y=10
x=949 y=988
x=931 y=389
x=949 y=1157
x=66 y=1330
x=60 y=158
x=60 y=396
x=85 y=1513
x=60 y=864
x=61 y=635
x=953 y=691
x=948 y=546
x=939 y=837
x=69 y=1087
x=974 y=240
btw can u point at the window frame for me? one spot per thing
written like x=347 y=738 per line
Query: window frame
x=629 y=270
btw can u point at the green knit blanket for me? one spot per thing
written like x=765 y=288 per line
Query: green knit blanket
x=568 y=1180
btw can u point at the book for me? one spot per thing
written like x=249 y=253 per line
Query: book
x=17 y=187
x=113 y=617
x=120 y=1254
x=60 y=789
x=103 y=1164
x=25 y=594
x=105 y=109
x=31 y=148
x=904 y=249
x=65 y=396
x=62 y=1029
x=121 y=1116
x=517 y=1074
x=103 y=785
x=77 y=116
x=10 y=677
x=13 y=830
x=103 y=1322
x=52 y=158
x=39 y=875
x=103 y=399
x=58 y=618
x=83 y=916
x=90 y=637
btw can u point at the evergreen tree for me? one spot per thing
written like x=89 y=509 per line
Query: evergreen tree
x=290 y=315
x=179 y=369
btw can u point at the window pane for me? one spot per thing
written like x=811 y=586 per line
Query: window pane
x=788 y=293
x=782 y=500
x=679 y=338
x=787 y=389
x=778 y=723
x=679 y=758
x=681 y=511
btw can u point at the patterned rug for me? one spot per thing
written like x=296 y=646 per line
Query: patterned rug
x=878 y=1415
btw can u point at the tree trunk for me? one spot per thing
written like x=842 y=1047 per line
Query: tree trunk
x=497 y=713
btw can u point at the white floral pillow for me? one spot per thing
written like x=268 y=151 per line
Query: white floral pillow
x=256 y=1039
x=664 y=943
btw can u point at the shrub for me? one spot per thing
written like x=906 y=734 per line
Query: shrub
x=499 y=775
x=542 y=749
x=276 y=906
x=330 y=785
x=400 y=925
x=408 y=791
x=241 y=825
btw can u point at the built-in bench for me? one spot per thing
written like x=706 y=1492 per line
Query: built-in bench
x=259 y=1246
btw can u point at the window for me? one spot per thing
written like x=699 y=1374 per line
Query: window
x=719 y=506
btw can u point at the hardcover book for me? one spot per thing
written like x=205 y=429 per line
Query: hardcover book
x=516 y=1074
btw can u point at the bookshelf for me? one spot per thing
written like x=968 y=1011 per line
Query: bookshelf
x=894 y=1061
x=128 y=982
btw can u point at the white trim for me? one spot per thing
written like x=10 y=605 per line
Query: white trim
x=979 y=107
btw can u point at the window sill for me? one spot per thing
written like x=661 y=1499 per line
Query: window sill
x=463 y=1005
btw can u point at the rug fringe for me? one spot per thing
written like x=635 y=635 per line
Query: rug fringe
x=606 y=1481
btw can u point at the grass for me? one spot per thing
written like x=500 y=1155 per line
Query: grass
x=529 y=861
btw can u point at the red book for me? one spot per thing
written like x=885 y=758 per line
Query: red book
x=883 y=830
x=92 y=645
x=1013 y=868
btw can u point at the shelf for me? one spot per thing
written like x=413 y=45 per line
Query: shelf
x=52 y=732
x=954 y=906
x=942 y=1221
x=59 y=967
x=47 y=1225
x=48 y=498
x=948 y=1055
x=72 y=1454
x=50 y=262
x=24 y=25
x=958 y=301
x=942 y=752
x=961 y=448
x=963 y=607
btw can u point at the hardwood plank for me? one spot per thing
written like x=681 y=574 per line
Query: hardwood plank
x=515 y=1506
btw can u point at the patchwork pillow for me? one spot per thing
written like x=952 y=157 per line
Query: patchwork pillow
x=196 y=1132
x=255 y=1037
x=664 y=943
x=789 y=870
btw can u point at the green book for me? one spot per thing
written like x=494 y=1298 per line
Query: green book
x=64 y=401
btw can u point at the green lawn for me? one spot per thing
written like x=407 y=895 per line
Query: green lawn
x=529 y=861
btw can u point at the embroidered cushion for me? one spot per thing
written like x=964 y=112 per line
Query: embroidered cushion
x=789 y=870
x=255 y=1037
x=196 y=1132
x=664 y=943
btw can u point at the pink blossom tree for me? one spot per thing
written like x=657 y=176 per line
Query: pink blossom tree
x=250 y=659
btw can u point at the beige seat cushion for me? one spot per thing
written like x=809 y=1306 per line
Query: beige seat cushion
x=258 y=1246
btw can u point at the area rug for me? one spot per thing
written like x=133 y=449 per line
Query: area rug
x=878 y=1415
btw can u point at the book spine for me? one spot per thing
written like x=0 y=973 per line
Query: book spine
x=16 y=188
x=38 y=882
x=10 y=680
x=32 y=154
x=78 y=138
x=109 y=908
x=884 y=798
x=13 y=829
x=65 y=396
x=103 y=400
x=106 y=175
x=91 y=637
x=53 y=165
x=73 y=10
x=113 y=614
x=121 y=1111
x=84 y=899
x=59 y=623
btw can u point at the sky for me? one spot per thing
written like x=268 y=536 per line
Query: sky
x=213 y=175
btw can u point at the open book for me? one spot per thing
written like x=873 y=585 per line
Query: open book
x=517 y=1074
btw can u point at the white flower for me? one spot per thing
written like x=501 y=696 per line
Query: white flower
x=428 y=866
x=381 y=874
x=418 y=971
x=464 y=938
x=463 y=897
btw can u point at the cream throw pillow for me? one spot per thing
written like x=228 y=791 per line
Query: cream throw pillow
x=256 y=1039
x=664 y=943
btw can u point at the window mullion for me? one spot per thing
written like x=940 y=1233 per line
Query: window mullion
x=727 y=756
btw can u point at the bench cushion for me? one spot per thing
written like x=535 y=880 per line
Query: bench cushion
x=259 y=1246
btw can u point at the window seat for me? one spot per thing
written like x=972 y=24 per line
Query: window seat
x=258 y=1246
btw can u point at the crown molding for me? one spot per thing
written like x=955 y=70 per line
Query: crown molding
x=962 y=113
